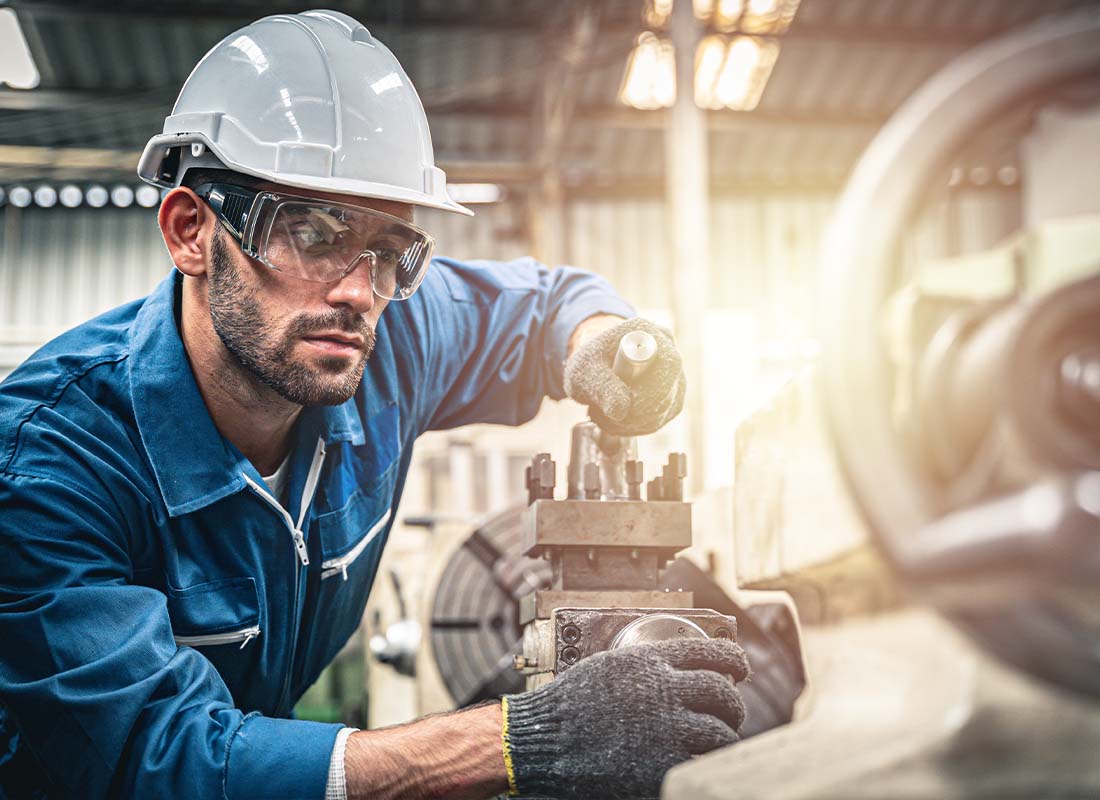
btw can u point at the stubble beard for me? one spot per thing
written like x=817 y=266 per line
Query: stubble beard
x=243 y=328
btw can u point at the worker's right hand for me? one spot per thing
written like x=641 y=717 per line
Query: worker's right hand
x=612 y=725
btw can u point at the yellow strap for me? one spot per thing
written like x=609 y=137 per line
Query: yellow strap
x=512 y=789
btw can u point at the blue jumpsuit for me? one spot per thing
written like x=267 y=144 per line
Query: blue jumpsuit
x=160 y=613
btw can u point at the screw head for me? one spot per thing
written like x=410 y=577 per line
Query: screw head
x=570 y=634
x=570 y=655
x=723 y=633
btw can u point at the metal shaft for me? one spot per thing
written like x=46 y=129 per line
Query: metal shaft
x=635 y=354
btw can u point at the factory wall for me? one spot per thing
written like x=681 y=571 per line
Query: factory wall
x=60 y=266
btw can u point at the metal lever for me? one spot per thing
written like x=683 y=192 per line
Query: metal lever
x=635 y=355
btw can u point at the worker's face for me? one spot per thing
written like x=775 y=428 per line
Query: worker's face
x=307 y=341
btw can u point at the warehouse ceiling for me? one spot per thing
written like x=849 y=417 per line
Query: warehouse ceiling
x=512 y=87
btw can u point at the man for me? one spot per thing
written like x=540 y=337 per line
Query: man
x=196 y=487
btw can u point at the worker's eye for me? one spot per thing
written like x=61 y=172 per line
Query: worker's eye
x=386 y=255
x=306 y=236
x=388 y=250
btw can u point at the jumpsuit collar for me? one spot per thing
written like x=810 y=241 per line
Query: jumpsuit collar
x=194 y=464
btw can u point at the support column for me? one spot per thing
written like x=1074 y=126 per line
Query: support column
x=686 y=182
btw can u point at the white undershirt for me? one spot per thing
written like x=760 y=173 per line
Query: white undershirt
x=276 y=481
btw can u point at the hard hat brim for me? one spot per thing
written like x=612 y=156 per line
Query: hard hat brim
x=159 y=147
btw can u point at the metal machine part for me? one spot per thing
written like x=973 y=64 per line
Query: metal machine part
x=596 y=547
x=398 y=646
x=601 y=465
x=636 y=352
x=1034 y=607
x=909 y=708
x=572 y=634
x=476 y=645
x=657 y=627
x=474 y=627
x=1043 y=353
x=598 y=464
x=534 y=591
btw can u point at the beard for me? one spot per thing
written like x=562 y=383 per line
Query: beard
x=252 y=340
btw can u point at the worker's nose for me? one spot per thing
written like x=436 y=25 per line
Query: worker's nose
x=356 y=289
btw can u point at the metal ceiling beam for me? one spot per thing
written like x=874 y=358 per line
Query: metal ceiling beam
x=231 y=15
x=82 y=159
x=155 y=99
x=121 y=101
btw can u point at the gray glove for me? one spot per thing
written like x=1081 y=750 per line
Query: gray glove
x=656 y=397
x=611 y=726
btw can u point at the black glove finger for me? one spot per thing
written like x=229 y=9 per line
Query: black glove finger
x=703 y=733
x=710 y=693
x=719 y=655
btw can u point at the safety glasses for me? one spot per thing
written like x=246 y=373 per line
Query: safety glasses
x=315 y=240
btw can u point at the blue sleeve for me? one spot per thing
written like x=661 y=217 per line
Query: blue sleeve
x=488 y=339
x=91 y=674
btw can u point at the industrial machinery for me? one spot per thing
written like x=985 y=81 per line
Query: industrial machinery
x=536 y=589
x=962 y=397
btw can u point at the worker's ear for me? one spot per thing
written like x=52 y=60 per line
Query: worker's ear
x=188 y=226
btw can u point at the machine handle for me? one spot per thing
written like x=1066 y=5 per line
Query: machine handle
x=636 y=352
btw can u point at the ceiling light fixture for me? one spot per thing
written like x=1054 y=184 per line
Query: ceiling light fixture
x=45 y=196
x=97 y=196
x=746 y=66
x=650 y=79
x=70 y=195
x=122 y=196
x=20 y=196
x=147 y=196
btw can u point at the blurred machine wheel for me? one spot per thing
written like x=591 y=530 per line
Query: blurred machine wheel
x=1014 y=560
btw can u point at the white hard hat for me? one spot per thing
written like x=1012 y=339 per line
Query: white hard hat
x=307 y=100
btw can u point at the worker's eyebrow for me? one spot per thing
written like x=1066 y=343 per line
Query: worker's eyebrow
x=396 y=229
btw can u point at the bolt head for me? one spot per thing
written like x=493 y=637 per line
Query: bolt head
x=570 y=634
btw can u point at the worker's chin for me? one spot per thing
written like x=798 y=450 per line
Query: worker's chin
x=324 y=381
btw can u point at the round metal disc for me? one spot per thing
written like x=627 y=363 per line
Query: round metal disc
x=657 y=628
x=475 y=627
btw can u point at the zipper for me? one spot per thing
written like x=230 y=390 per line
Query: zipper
x=310 y=488
x=340 y=565
x=244 y=636
x=295 y=534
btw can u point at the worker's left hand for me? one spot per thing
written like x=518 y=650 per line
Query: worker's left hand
x=655 y=398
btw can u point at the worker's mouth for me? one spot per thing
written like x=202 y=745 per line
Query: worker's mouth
x=335 y=344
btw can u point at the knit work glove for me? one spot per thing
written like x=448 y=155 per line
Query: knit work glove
x=611 y=726
x=655 y=398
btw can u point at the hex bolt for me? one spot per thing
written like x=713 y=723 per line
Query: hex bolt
x=519 y=663
x=678 y=465
x=591 y=481
x=635 y=475
x=656 y=490
x=570 y=655
x=570 y=634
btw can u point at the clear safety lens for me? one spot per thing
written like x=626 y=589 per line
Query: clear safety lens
x=323 y=242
